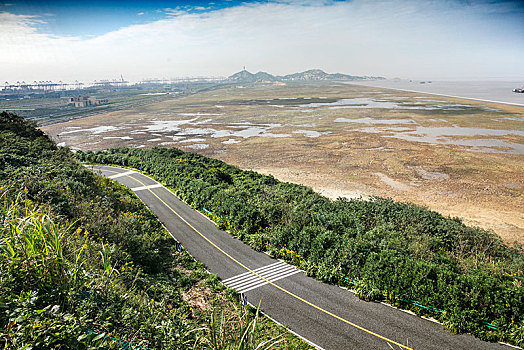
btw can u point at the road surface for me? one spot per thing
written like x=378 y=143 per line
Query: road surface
x=328 y=316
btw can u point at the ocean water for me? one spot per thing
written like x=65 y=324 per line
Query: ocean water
x=493 y=91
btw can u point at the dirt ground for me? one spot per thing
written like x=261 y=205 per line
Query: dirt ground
x=460 y=158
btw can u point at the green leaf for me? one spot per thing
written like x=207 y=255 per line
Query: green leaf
x=98 y=337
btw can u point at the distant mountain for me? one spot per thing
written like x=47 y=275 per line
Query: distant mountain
x=310 y=75
x=317 y=74
x=246 y=77
x=263 y=76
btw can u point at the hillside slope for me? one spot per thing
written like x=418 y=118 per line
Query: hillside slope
x=85 y=265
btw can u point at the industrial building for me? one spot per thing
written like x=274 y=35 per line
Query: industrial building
x=85 y=101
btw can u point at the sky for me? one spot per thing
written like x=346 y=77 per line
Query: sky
x=412 y=39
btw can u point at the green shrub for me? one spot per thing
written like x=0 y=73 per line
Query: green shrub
x=403 y=251
x=85 y=265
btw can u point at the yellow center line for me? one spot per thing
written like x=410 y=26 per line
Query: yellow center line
x=266 y=280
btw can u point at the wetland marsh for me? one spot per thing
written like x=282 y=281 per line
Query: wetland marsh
x=461 y=158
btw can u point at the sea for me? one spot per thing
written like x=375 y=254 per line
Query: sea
x=489 y=91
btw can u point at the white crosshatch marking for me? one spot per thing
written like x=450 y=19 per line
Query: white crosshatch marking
x=248 y=281
x=145 y=187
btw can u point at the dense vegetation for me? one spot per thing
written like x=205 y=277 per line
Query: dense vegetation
x=79 y=264
x=413 y=257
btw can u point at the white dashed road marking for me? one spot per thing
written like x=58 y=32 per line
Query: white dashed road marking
x=145 y=187
x=121 y=174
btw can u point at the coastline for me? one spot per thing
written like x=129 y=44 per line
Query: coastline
x=379 y=84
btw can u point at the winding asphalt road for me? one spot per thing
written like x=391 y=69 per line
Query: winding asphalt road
x=328 y=316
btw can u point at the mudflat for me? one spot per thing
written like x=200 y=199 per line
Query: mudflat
x=461 y=158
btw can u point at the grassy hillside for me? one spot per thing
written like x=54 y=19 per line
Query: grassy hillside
x=415 y=258
x=85 y=265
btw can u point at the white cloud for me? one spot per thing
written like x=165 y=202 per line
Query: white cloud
x=174 y=12
x=13 y=24
x=24 y=49
x=427 y=39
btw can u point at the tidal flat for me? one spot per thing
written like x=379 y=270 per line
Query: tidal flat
x=458 y=157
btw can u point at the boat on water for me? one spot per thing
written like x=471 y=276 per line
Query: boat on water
x=519 y=91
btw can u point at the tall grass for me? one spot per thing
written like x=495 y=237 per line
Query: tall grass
x=33 y=244
x=84 y=264
x=59 y=289
x=246 y=334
